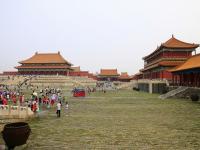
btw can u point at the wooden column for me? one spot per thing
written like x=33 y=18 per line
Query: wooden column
x=177 y=79
x=182 y=79
x=193 y=79
x=197 y=80
x=172 y=79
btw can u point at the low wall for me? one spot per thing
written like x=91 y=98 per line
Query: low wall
x=15 y=112
x=143 y=87
x=152 y=86
x=159 y=88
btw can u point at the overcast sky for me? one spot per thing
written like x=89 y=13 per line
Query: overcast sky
x=94 y=34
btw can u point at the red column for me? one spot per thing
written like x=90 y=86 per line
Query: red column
x=181 y=79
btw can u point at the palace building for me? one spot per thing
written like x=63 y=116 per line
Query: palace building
x=44 y=64
x=167 y=56
x=108 y=75
x=187 y=74
x=124 y=77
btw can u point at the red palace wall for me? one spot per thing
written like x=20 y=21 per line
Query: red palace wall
x=79 y=73
x=92 y=76
x=167 y=75
x=10 y=73
x=83 y=74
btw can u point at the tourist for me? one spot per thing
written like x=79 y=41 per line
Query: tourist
x=66 y=107
x=34 y=106
x=5 y=102
x=1 y=101
x=58 y=109
x=37 y=107
x=63 y=100
x=40 y=100
x=14 y=99
x=20 y=99
x=8 y=96
x=88 y=90
x=23 y=98
x=52 y=102
x=48 y=102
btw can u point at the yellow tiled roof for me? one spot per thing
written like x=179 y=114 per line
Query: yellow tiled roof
x=108 y=72
x=40 y=58
x=191 y=63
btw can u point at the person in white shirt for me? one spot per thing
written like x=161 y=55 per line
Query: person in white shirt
x=58 y=109
x=66 y=107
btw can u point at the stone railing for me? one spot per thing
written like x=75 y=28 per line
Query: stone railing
x=9 y=111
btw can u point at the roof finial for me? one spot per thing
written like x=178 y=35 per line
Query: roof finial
x=172 y=35
x=59 y=52
x=36 y=53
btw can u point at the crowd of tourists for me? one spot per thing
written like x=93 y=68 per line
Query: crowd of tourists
x=44 y=98
x=6 y=96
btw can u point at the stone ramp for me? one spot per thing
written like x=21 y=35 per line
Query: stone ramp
x=173 y=92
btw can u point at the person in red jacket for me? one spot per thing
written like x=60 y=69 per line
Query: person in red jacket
x=14 y=99
x=5 y=102
x=20 y=99
x=34 y=106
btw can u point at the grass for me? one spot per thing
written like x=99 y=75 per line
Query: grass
x=119 y=120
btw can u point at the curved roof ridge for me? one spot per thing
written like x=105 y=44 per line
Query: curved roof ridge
x=174 y=42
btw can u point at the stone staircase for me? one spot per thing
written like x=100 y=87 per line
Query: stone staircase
x=3 y=78
x=66 y=82
x=42 y=81
x=14 y=80
x=173 y=92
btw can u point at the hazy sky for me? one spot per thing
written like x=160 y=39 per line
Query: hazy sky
x=94 y=33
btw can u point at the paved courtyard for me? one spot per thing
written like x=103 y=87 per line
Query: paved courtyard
x=118 y=120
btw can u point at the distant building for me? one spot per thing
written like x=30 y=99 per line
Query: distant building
x=137 y=76
x=108 y=75
x=168 y=55
x=44 y=64
x=124 y=77
x=187 y=74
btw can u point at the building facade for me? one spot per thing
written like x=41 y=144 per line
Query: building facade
x=167 y=56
